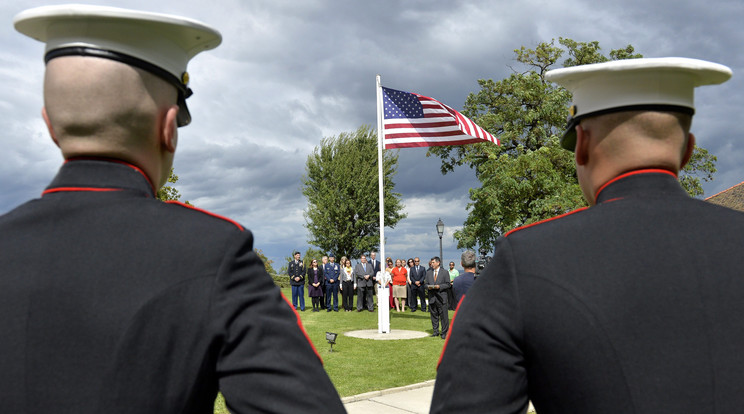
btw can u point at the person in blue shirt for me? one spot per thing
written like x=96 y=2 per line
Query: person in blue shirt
x=331 y=272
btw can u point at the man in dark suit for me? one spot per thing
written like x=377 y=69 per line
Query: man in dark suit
x=437 y=284
x=113 y=301
x=632 y=305
x=364 y=274
x=375 y=269
x=418 y=285
x=374 y=262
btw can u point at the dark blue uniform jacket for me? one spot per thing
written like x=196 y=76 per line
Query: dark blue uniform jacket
x=635 y=305
x=113 y=302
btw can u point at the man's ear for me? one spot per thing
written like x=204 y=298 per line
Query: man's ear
x=581 y=151
x=169 y=133
x=49 y=126
x=688 y=150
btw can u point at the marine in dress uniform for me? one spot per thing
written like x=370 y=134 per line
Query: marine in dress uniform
x=113 y=301
x=632 y=305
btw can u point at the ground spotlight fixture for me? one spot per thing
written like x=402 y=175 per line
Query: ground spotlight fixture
x=331 y=338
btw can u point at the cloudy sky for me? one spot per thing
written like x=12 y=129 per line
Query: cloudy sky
x=290 y=72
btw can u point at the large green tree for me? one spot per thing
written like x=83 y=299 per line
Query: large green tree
x=341 y=187
x=529 y=177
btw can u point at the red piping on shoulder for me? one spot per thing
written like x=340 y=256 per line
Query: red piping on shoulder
x=132 y=166
x=614 y=199
x=302 y=328
x=65 y=189
x=628 y=174
x=209 y=213
x=545 y=221
x=449 y=333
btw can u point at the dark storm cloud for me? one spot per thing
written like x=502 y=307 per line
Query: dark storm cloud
x=419 y=175
x=241 y=169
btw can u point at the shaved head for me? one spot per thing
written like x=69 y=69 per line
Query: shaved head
x=634 y=128
x=87 y=97
x=100 y=107
x=615 y=143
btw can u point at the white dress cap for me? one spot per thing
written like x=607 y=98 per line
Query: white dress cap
x=663 y=84
x=159 y=43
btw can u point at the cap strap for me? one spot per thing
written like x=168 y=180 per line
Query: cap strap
x=120 y=57
x=641 y=107
x=184 y=117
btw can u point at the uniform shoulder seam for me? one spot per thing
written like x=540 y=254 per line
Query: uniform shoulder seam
x=546 y=220
x=209 y=213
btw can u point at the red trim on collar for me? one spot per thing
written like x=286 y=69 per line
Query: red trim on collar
x=628 y=174
x=209 y=213
x=648 y=171
x=302 y=328
x=546 y=220
x=64 y=189
x=132 y=166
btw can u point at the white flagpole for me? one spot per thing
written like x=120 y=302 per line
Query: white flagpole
x=383 y=309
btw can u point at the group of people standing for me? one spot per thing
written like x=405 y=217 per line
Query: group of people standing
x=324 y=280
x=327 y=279
x=430 y=287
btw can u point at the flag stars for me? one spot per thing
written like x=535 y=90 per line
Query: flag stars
x=399 y=104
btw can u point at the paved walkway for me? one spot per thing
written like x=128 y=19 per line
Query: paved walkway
x=414 y=398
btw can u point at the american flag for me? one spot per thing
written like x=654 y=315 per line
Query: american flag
x=413 y=120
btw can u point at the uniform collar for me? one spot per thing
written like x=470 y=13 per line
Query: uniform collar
x=100 y=174
x=648 y=182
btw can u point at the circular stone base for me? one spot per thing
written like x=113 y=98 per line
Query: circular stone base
x=393 y=334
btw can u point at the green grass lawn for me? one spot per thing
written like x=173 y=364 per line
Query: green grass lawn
x=361 y=365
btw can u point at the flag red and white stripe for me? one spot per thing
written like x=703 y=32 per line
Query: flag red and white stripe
x=413 y=120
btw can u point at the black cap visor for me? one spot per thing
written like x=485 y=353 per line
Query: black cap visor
x=568 y=140
x=184 y=116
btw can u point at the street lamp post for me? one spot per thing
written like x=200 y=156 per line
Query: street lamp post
x=440 y=232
